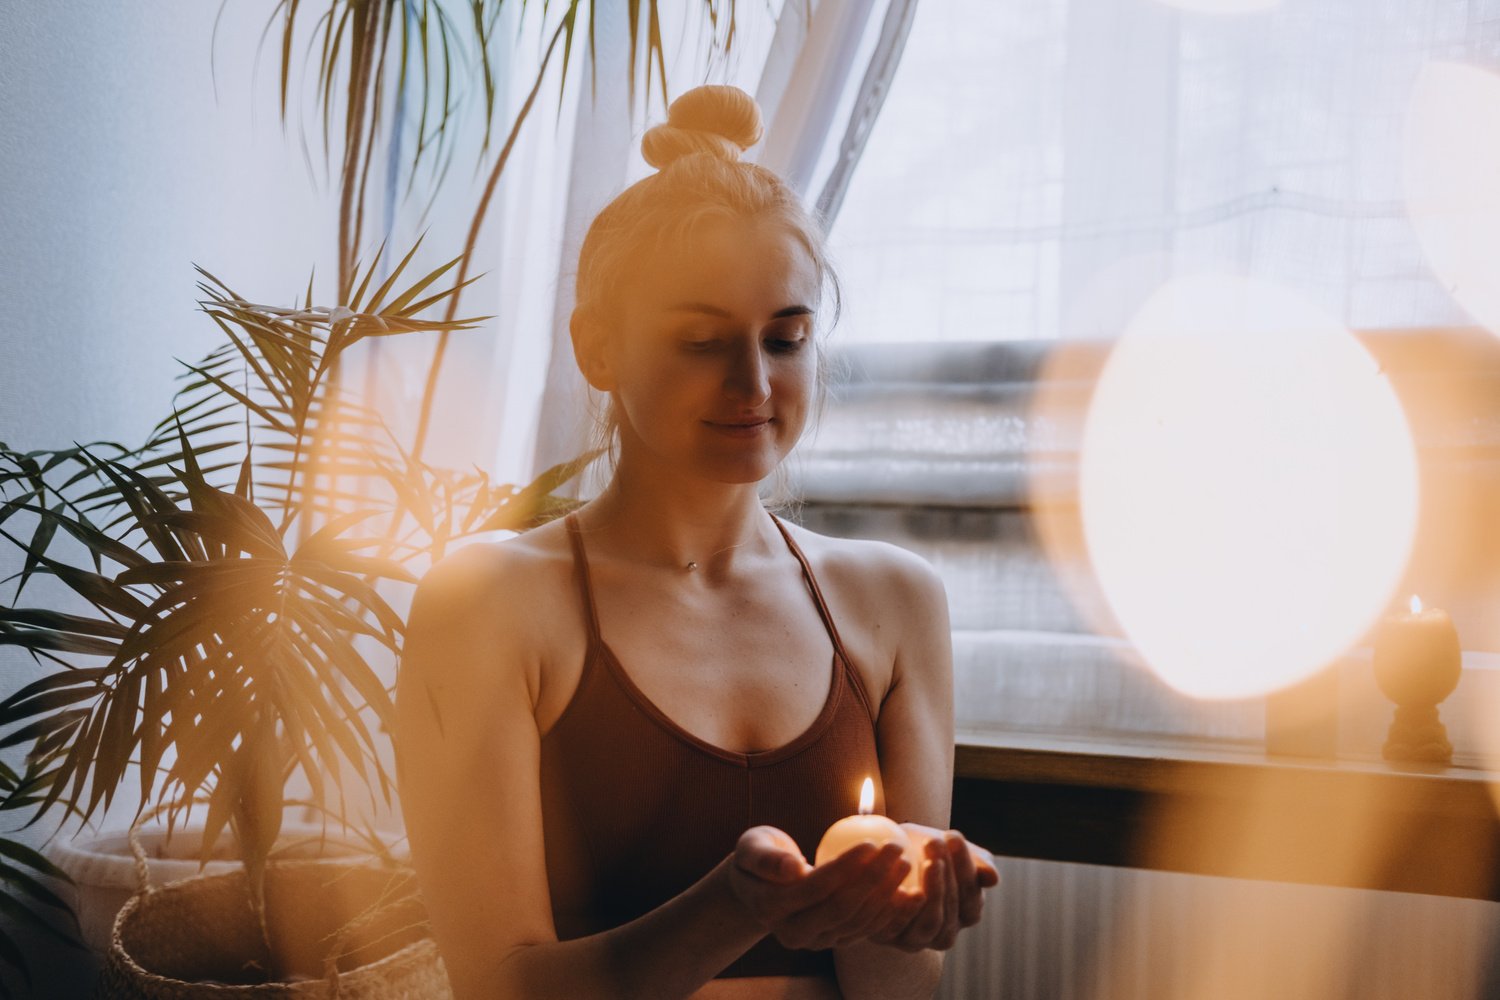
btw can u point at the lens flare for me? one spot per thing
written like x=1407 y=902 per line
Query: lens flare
x=1451 y=161
x=1248 y=486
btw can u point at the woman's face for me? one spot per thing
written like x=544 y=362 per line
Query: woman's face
x=713 y=369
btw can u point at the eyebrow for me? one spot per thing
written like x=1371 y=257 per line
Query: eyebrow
x=700 y=307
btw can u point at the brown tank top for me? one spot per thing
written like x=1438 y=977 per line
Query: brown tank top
x=636 y=809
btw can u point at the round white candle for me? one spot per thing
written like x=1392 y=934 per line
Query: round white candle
x=878 y=830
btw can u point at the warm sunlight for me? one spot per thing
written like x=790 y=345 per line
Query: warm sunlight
x=1248 y=486
x=1452 y=160
x=1488 y=698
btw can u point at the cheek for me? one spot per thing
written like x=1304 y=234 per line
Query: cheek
x=798 y=384
x=654 y=392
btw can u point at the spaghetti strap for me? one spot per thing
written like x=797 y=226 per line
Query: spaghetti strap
x=817 y=593
x=585 y=583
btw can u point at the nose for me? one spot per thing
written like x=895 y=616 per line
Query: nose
x=748 y=378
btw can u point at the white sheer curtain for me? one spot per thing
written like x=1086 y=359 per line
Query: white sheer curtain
x=1039 y=168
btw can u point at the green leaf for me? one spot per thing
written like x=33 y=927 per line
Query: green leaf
x=75 y=677
x=117 y=739
x=41 y=538
x=144 y=499
x=345 y=585
x=220 y=807
x=47 y=701
x=63 y=622
x=57 y=642
x=45 y=727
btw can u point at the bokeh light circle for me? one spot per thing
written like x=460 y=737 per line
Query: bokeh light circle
x=1248 y=486
x=1452 y=162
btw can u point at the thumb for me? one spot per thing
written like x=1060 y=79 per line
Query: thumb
x=769 y=854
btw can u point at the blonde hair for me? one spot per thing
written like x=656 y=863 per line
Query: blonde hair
x=700 y=178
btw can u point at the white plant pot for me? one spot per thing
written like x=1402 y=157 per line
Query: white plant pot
x=103 y=869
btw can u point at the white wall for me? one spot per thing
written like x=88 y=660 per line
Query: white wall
x=121 y=170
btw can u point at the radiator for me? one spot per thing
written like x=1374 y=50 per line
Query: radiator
x=1078 y=932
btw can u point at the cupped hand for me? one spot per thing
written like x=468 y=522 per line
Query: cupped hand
x=835 y=904
x=954 y=876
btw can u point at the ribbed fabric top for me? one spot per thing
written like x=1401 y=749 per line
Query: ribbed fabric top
x=636 y=809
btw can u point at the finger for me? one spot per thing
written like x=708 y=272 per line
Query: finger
x=929 y=920
x=970 y=893
x=984 y=864
x=826 y=921
x=905 y=909
x=875 y=910
x=767 y=853
x=948 y=933
x=822 y=882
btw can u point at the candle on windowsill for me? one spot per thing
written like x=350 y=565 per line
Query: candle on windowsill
x=1417 y=664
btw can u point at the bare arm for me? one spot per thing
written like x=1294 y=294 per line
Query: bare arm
x=468 y=757
x=915 y=733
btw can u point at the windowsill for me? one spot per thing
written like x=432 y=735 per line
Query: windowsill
x=1231 y=810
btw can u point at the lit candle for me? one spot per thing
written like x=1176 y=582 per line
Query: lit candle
x=1417 y=665
x=878 y=830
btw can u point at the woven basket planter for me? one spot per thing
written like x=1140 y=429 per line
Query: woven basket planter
x=105 y=877
x=198 y=938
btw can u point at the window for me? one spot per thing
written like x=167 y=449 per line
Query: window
x=1037 y=172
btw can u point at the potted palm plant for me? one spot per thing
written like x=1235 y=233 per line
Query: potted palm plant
x=229 y=576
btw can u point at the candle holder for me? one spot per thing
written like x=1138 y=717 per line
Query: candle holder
x=1417 y=664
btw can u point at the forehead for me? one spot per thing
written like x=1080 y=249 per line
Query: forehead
x=750 y=268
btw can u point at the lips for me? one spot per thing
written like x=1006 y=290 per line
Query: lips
x=740 y=428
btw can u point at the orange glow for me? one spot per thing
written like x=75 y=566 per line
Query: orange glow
x=867 y=797
x=1451 y=162
x=1486 y=709
x=1248 y=486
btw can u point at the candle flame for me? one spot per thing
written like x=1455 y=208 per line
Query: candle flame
x=1416 y=604
x=867 y=797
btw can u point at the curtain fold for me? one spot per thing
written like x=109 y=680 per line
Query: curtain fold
x=800 y=96
x=601 y=150
x=873 y=89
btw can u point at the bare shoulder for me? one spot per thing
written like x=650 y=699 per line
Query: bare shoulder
x=489 y=604
x=891 y=608
x=481 y=575
x=495 y=581
x=882 y=578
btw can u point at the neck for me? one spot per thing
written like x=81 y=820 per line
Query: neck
x=660 y=520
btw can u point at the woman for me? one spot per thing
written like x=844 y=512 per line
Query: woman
x=621 y=735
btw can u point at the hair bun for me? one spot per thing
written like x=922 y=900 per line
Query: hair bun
x=718 y=120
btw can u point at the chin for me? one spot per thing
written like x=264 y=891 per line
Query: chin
x=742 y=476
x=740 y=470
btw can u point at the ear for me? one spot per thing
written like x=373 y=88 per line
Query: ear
x=589 y=350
